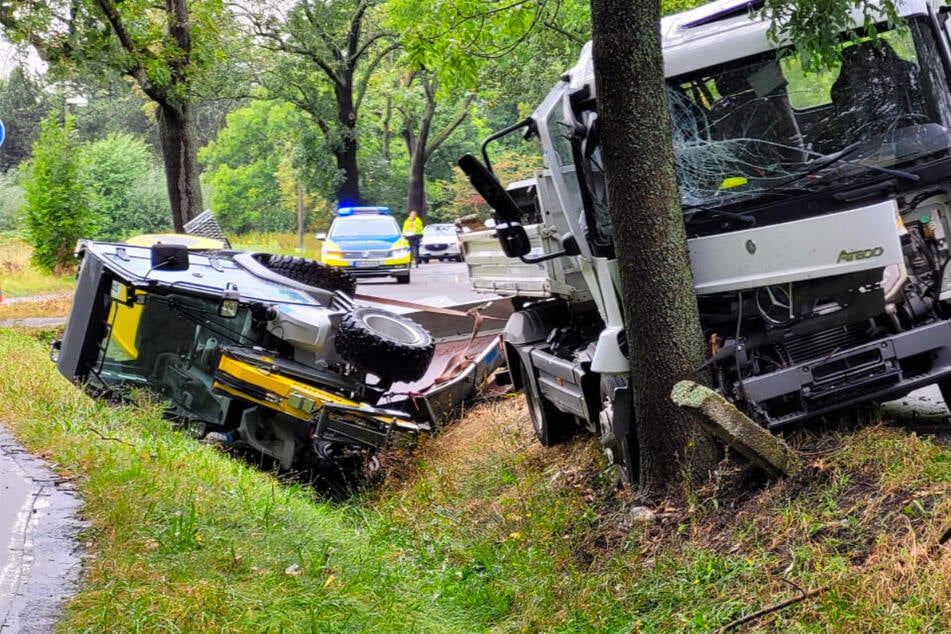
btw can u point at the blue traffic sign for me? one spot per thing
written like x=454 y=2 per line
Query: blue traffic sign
x=3 y=133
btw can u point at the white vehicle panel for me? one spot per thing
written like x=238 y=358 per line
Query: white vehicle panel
x=834 y=244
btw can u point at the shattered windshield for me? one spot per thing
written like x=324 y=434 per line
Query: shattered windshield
x=762 y=123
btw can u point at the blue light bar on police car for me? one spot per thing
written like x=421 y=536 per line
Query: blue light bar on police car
x=349 y=211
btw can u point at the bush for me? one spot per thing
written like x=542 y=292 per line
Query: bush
x=127 y=187
x=11 y=202
x=56 y=205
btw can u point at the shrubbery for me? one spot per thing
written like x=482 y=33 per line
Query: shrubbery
x=56 y=202
x=107 y=190
x=127 y=187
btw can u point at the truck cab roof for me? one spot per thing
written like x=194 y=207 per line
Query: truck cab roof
x=717 y=32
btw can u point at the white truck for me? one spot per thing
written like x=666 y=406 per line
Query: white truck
x=817 y=210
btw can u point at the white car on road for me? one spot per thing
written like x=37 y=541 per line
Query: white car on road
x=439 y=242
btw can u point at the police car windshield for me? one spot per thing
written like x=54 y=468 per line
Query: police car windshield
x=363 y=227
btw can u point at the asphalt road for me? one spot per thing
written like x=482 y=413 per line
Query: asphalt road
x=39 y=547
x=433 y=284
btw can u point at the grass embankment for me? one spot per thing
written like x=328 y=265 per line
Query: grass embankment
x=18 y=276
x=482 y=530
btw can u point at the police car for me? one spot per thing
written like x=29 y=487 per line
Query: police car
x=366 y=242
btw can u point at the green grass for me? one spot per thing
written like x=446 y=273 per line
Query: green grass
x=481 y=530
x=279 y=243
x=18 y=276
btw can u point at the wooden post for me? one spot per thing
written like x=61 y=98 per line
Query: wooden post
x=735 y=429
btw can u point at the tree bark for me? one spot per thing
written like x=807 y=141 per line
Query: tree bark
x=345 y=150
x=663 y=329
x=179 y=145
x=416 y=146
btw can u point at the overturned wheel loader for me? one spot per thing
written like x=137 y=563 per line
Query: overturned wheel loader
x=271 y=352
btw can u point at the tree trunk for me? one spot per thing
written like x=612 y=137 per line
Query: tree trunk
x=300 y=216
x=345 y=150
x=420 y=148
x=663 y=330
x=179 y=151
x=416 y=198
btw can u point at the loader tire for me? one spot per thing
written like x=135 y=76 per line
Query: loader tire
x=393 y=348
x=310 y=272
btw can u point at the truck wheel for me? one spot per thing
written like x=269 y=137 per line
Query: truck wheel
x=619 y=438
x=552 y=426
x=310 y=272
x=385 y=344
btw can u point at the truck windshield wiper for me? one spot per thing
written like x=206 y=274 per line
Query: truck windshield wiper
x=828 y=160
x=693 y=210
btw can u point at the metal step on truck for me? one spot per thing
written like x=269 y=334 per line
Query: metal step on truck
x=817 y=209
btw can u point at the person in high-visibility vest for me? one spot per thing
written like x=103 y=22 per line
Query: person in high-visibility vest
x=413 y=232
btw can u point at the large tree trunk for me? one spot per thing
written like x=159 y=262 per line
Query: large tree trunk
x=416 y=146
x=663 y=330
x=179 y=150
x=416 y=198
x=420 y=148
x=345 y=151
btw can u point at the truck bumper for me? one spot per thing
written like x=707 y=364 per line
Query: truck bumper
x=881 y=370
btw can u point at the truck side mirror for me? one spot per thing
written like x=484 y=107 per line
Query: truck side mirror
x=491 y=189
x=513 y=239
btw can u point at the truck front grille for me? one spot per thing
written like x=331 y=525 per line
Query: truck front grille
x=824 y=343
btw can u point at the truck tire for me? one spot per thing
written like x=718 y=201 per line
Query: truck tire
x=310 y=272
x=620 y=440
x=393 y=348
x=552 y=426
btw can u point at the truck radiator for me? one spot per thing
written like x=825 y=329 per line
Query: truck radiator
x=823 y=343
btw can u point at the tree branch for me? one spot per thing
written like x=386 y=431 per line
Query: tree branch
x=461 y=113
x=773 y=608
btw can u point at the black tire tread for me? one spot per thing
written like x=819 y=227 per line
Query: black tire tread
x=309 y=272
x=370 y=350
x=552 y=426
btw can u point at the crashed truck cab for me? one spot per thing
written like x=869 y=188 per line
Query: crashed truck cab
x=817 y=208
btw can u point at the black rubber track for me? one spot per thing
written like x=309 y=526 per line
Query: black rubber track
x=392 y=347
x=310 y=272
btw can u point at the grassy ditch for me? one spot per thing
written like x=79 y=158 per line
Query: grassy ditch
x=481 y=530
